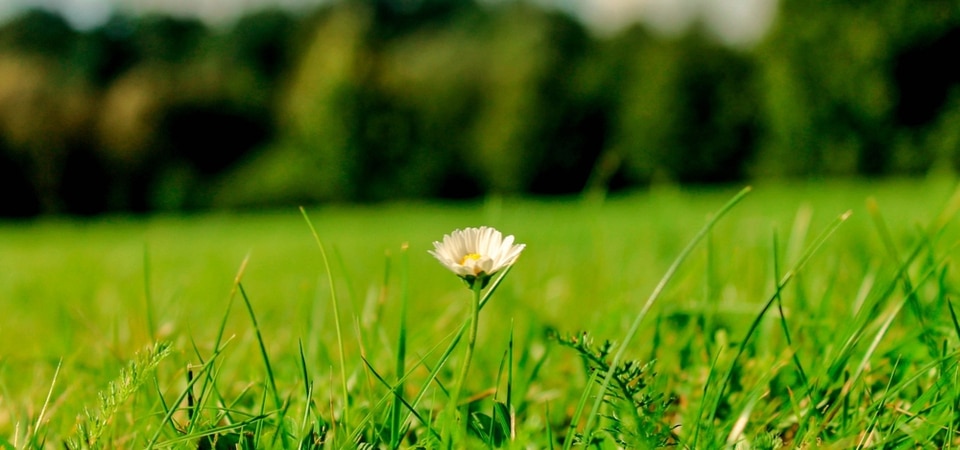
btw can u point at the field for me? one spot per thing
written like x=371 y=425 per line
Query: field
x=785 y=325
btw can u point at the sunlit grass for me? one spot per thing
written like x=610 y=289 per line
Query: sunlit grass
x=783 y=324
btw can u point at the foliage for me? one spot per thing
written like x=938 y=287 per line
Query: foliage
x=748 y=355
x=372 y=101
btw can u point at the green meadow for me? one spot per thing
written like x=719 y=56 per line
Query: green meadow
x=632 y=321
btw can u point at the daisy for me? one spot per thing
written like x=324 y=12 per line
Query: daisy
x=476 y=253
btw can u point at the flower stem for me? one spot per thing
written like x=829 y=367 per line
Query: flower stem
x=468 y=355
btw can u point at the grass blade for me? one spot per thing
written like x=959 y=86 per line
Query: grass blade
x=953 y=318
x=811 y=250
x=400 y=400
x=336 y=321
x=894 y=254
x=148 y=294
x=46 y=403
x=263 y=348
x=698 y=423
x=635 y=326
x=578 y=412
x=783 y=318
x=168 y=417
x=395 y=432
x=513 y=415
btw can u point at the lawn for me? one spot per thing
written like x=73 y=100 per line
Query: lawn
x=858 y=349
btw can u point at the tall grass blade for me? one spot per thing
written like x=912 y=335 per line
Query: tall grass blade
x=430 y=379
x=259 y=430
x=148 y=293
x=811 y=250
x=699 y=422
x=168 y=417
x=212 y=432
x=163 y=402
x=493 y=286
x=866 y=315
x=336 y=321
x=392 y=389
x=865 y=360
x=513 y=415
x=263 y=348
x=208 y=385
x=523 y=402
x=271 y=378
x=710 y=291
x=947 y=213
x=894 y=254
x=307 y=388
x=495 y=412
x=953 y=318
x=395 y=424
x=233 y=294
x=635 y=326
x=546 y=419
x=46 y=402
x=875 y=420
x=571 y=434
x=783 y=318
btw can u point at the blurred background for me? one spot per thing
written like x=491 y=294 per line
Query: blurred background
x=133 y=106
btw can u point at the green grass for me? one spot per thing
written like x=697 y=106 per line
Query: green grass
x=784 y=324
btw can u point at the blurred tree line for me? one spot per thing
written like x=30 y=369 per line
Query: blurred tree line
x=386 y=99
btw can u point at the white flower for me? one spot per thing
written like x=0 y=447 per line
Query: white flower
x=476 y=253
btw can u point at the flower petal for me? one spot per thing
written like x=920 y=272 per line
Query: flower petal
x=476 y=253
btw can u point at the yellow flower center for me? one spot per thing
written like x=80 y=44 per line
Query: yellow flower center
x=469 y=256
